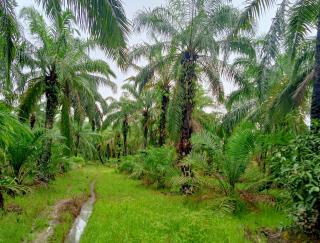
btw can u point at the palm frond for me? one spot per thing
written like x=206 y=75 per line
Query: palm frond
x=105 y=20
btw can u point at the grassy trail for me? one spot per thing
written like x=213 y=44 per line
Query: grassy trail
x=127 y=211
x=30 y=214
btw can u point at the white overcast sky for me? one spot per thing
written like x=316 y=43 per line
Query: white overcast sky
x=131 y=7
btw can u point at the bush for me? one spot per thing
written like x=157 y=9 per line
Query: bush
x=154 y=166
x=129 y=164
x=159 y=164
x=299 y=165
x=239 y=149
x=227 y=158
x=75 y=162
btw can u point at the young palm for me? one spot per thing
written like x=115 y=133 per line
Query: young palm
x=10 y=130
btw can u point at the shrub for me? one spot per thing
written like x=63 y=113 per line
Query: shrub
x=230 y=160
x=130 y=165
x=159 y=165
x=299 y=165
x=23 y=154
x=239 y=149
x=9 y=185
x=155 y=166
x=73 y=163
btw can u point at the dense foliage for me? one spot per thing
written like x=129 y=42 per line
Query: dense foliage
x=175 y=126
x=299 y=167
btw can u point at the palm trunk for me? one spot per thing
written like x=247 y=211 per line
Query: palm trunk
x=51 y=93
x=188 y=87
x=108 y=152
x=125 y=128
x=118 y=146
x=77 y=144
x=93 y=125
x=33 y=120
x=65 y=126
x=315 y=105
x=163 y=116
x=78 y=118
x=145 y=115
x=187 y=83
x=99 y=149
x=1 y=201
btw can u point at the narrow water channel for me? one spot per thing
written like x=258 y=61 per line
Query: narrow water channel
x=81 y=221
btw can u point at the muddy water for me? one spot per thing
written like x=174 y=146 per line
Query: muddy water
x=44 y=236
x=82 y=220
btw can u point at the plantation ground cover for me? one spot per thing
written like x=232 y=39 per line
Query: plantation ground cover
x=31 y=212
x=127 y=211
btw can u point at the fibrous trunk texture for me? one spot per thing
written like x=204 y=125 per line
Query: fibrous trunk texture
x=145 y=115
x=163 y=116
x=33 y=120
x=315 y=105
x=1 y=201
x=125 y=129
x=52 y=102
x=187 y=83
x=66 y=128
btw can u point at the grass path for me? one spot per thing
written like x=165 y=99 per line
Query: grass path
x=126 y=211
x=32 y=212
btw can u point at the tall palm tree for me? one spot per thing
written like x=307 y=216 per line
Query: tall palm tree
x=192 y=35
x=120 y=114
x=145 y=104
x=9 y=34
x=304 y=15
x=267 y=93
x=105 y=20
x=157 y=73
x=315 y=105
x=82 y=78
x=60 y=64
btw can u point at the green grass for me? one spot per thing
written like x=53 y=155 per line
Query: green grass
x=126 y=211
x=37 y=205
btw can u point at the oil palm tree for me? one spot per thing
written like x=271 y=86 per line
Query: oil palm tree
x=10 y=129
x=284 y=89
x=158 y=74
x=120 y=114
x=272 y=80
x=81 y=80
x=60 y=64
x=105 y=20
x=9 y=34
x=145 y=104
x=192 y=36
x=304 y=15
x=255 y=78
